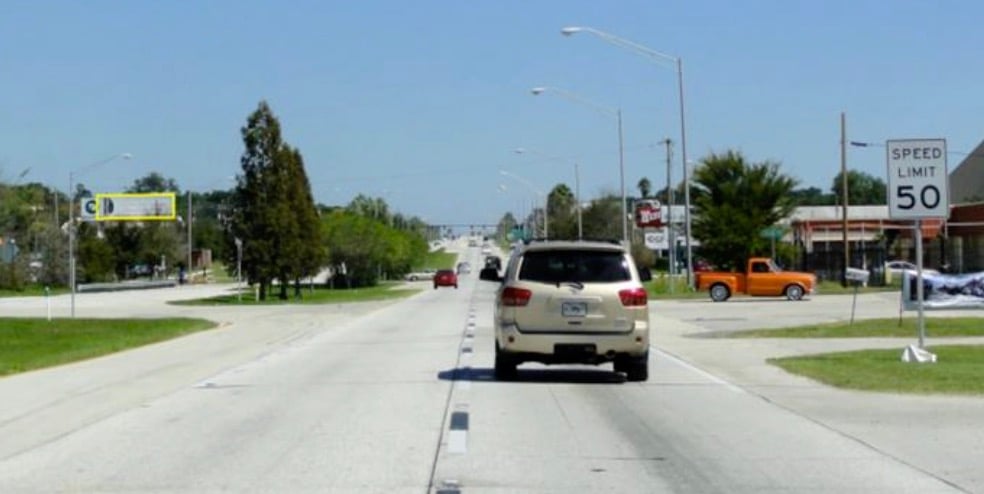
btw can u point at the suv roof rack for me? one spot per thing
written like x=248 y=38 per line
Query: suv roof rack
x=614 y=241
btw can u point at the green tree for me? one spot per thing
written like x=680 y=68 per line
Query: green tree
x=271 y=208
x=366 y=247
x=306 y=252
x=862 y=189
x=563 y=213
x=154 y=182
x=733 y=202
x=505 y=226
x=254 y=217
x=602 y=217
x=645 y=187
x=158 y=243
x=812 y=196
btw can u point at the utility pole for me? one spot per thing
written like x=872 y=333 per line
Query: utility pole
x=670 y=238
x=847 y=250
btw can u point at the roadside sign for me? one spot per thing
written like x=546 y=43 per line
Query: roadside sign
x=87 y=209
x=772 y=232
x=158 y=206
x=648 y=213
x=655 y=240
x=918 y=183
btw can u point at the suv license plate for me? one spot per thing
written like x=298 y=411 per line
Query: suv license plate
x=574 y=309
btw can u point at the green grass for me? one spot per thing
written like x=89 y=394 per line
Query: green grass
x=661 y=285
x=875 y=328
x=32 y=291
x=439 y=259
x=27 y=344
x=385 y=291
x=957 y=371
x=659 y=288
x=835 y=288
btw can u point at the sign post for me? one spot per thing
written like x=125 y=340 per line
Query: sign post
x=918 y=188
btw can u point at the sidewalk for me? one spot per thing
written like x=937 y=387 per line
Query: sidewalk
x=936 y=433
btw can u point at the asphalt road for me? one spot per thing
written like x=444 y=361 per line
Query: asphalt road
x=398 y=397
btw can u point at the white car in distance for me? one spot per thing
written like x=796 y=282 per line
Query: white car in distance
x=897 y=269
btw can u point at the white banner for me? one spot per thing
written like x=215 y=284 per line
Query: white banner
x=944 y=291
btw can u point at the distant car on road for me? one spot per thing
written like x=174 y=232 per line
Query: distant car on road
x=445 y=277
x=425 y=274
x=464 y=267
x=493 y=262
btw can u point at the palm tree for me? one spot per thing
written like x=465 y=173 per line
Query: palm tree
x=733 y=202
x=645 y=187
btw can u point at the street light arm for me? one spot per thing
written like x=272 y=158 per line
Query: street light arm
x=606 y=110
x=90 y=166
x=624 y=43
x=546 y=156
x=523 y=181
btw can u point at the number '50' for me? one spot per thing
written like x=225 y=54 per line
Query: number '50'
x=929 y=197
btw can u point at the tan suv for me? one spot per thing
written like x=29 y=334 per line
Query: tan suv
x=571 y=302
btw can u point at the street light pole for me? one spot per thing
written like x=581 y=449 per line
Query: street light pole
x=577 y=197
x=191 y=216
x=546 y=198
x=71 y=221
x=239 y=269
x=617 y=114
x=655 y=55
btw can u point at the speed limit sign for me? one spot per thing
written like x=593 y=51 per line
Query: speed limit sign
x=918 y=183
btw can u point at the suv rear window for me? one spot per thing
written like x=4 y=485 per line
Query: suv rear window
x=556 y=266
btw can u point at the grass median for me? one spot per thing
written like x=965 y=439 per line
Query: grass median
x=874 y=328
x=957 y=371
x=28 y=344
x=959 y=368
x=318 y=295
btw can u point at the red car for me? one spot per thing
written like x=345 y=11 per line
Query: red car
x=445 y=277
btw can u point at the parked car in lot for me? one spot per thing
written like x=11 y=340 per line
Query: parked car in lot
x=424 y=274
x=445 y=277
x=895 y=270
x=571 y=302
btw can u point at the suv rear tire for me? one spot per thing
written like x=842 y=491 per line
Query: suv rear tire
x=636 y=369
x=505 y=366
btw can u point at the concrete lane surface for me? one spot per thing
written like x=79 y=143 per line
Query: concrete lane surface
x=398 y=397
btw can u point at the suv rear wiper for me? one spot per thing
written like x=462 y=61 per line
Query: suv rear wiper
x=575 y=284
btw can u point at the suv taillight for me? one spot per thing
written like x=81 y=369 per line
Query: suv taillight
x=515 y=297
x=633 y=297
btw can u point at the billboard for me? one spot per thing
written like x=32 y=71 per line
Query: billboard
x=154 y=206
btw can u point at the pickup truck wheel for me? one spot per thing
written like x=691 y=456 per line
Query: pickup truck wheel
x=794 y=292
x=413 y=278
x=720 y=292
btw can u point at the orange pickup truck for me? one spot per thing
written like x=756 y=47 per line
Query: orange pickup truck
x=762 y=278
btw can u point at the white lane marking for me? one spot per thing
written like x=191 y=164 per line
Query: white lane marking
x=458 y=430
x=458 y=442
x=697 y=370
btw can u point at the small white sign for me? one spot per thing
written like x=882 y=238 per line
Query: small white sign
x=655 y=240
x=918 y=182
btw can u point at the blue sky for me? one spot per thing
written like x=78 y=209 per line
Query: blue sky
x=423 y=102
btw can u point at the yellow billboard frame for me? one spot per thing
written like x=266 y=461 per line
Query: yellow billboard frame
x=142 y=196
